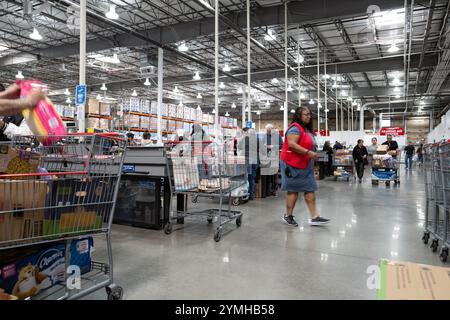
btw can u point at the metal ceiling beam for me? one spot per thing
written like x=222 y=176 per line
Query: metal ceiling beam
x=299 y=13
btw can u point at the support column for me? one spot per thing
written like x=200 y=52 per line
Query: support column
x=80 y=114
x=160 y=91
x=243 y=108
x=361 y=118
x=249 y=96
x=216 y=67
x=318 y=88
x=285 y=112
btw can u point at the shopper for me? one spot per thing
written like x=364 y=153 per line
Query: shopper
x=372 y=149
x=130 y=139
x=360 y=157
x=297 y=166
x=392 y=144
x=338 y=146
x=409 y=150
x=199 y=142
x=11 y=103
x=249 y=145
x=146 y=139
x=274 y=143
x=420 y=154
x=327 y=148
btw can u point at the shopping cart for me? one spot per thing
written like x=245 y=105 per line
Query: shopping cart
x=73 y=196
x=386 y=168
x=437 y=186
x=343 y=165
x=205 y=169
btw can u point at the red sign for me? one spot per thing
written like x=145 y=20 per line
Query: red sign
x=323 y=132
x=395 y=131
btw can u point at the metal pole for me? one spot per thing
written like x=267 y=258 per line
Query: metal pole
x=351 y=104
x=82 y=80
x=337 y=98
x=285 y=112
x=326 y=80
x=348 y=115
x=216 y=66
x=342 y=116
x=243 y=108
x=160 y=91
x=249 y=96
x=299 y=69
x=318 y=88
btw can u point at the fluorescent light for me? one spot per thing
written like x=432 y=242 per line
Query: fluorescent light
x=397 y=89
x=147 y=82
x=302 y=96
x=222 y=85
x=354 y=103
x=68 y=100
x=35 y=35
x=289 y=89
x=227 y=114
x=213 y=111
x=275 y=81
x=199 y=96
x=134 y=93
x=350 y=99
x=300 y=59
x=326 y=76
x=176 y=89
x=319 y=106
x=311 y=101
x=326 y=110
x=226 y=68
x=206 y=4
x=393 y=48
x=344 y=93
x=183 y=47
x=267 y=103
x=396 y=82
x=258 y=112
x=198 y=108
x=112 y=14
x=270 y=36
x=281 y=108
x=397 y=96
x=197 y=76
x=103 y=88
x=99 y=97
x=67 y=92
x=292 y=111
x=233 y=105
x=335 y=85
x=240 y=91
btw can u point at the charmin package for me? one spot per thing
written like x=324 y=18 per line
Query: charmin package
x=43 y=120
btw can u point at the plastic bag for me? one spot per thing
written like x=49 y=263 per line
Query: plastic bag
x=44 y=121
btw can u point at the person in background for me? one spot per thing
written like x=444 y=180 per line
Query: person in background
x=372 y=149
x=249 y=145
x=338 y=146
x=327 y=148
x=12 y=125
x=360 y=157
x=420 y=154
x=146 y=141
x=297 y=166
x=130 y=139
x=392 y=144
x=409 y=149
x=274 y=143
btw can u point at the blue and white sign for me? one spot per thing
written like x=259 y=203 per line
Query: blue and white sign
x=249 y=124
x=128 y=168
x=80 y=94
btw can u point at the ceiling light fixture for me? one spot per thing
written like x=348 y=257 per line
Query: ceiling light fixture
x=275 y=81
x=198 y=108
x=326 y=76
x=281 y=108
x=349 y=99
x=319 y=106
x=300 y=59
x=176 y=89
x=99 y=97
x=197 y=76
x=292 y=111
x=115 y=59
x=183 y=47
x=227 y=114
x=147 y=82
x=302 y=96
x=19 y=75
x=289 y=89
x=35 y=35
x=311 y=101
x=358 y=109
x=354 y=103
x=335 y=85
x=270 y=36
x=112 y=14
x=213 y=111
x=240 y=91
x=222 y=85
x=199 y=96
x=233 y=105
x=267 y=104
x=397 y=96
x=68 y=100
x=396 y=89
x=393 y=48
x=258 y=113
x=326 y=110
x=103 y=88
x=67 y=92
x=134 y=93
x=396 y=82
x=226 y=68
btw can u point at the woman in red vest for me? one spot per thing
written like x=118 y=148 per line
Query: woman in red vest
x=297 y=166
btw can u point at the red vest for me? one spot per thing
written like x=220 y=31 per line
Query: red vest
x=295 y=159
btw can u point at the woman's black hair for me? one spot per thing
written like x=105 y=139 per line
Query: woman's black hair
x=298 y=118
x=2 y=87
x=146 y=135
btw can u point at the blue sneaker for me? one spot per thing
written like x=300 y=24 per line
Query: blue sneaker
x=289 y=220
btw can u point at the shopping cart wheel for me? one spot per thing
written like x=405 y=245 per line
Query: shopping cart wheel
x=434 y=245
x=239 y=221
x=348 y=179
x=236 y=202
x=209 y=219
x=444 y=254
x=426 y=237
x=375 y=182
x=218 y=234
x=194 y=199
x=168 y=228
x=180 y=221
x=114 y=292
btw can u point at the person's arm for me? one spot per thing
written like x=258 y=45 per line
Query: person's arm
x=12 y=130
x=292 y=140
x=9 y=107
x=355 y=154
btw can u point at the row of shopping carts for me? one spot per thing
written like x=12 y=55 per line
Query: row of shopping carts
x=437 y=187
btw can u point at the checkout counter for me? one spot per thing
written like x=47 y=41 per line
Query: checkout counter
x=144 y=191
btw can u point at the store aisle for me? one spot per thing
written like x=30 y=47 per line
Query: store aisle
x=265 y=259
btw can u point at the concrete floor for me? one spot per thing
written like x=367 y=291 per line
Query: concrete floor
x=265 y=259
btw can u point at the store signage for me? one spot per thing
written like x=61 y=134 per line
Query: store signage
x=80 y=94
x=128 y=168
x=395 y=131
x=323 y=132
x=249 y=124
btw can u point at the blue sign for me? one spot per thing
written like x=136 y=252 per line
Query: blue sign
x=128 y=168
x=249 y=124
x=80 y=94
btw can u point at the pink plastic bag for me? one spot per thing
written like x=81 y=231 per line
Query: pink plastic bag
x=44 y=121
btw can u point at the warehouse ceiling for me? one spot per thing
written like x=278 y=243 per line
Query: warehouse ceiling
x=361 y=44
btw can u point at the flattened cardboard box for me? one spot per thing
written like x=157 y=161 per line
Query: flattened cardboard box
x=412 y=281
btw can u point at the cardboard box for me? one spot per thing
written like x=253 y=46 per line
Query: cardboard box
x=6 y=155
x=171 y=125
x=145 y=122
x=172 y=110
x=104 y=124
x=92 y=106
x=180 y=112
x=153 y=124
x=105 y=109
x=154 y=107
x=382 y=148
x=92 y=123
x=187 y=113
x=411 y=281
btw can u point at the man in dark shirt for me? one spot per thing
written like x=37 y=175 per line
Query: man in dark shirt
x=338 y=146
x=409 y=149
x=392 y=144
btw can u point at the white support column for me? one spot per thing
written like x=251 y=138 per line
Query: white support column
x=160 y=91
x=80 y=114
x=285 y=112
x=337 y=99
x=326 y=94
x=249 y=96
x=318 y=88
x=342 y=116
x=216 y=67
x=243 y=108
x=299 y=69
x=361 y=118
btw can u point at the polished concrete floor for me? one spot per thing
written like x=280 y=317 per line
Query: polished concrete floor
x=265 y=259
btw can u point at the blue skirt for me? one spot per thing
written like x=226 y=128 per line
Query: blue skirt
x=301 y=180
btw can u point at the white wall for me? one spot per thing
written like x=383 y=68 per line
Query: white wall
x=441 y=131
x=351 y=137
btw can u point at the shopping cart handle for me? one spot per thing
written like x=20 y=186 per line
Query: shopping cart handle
x=40 y=174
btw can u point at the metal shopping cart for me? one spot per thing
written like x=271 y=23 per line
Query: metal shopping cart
x=437 y=186
x=386 y=167
x=72 y=196
x=343 y=165
x=205 y=169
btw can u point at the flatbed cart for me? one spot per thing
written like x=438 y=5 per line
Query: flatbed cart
x=204 y=169
x=386 y=170
x=346 y=169
x=437 y=186
x=72 y=197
